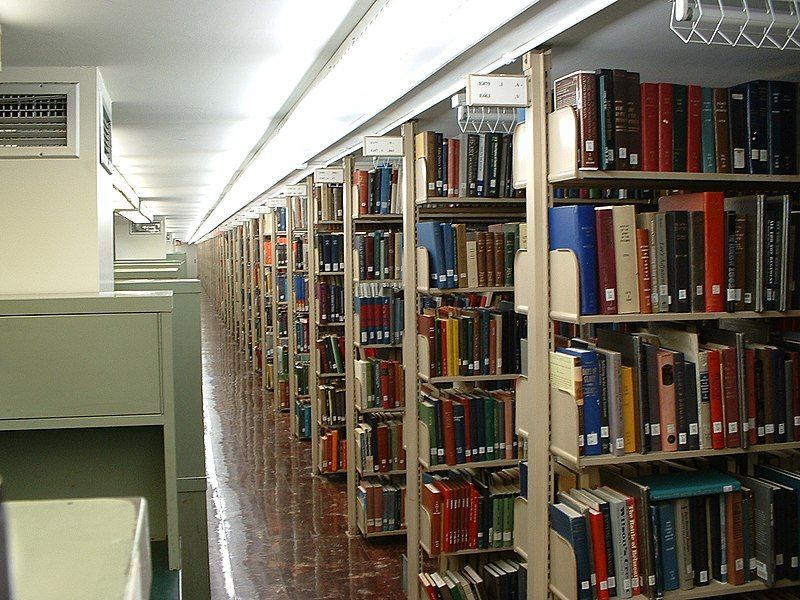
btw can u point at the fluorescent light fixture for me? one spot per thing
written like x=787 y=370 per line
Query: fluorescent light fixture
x=134 y=216
x=123 y=196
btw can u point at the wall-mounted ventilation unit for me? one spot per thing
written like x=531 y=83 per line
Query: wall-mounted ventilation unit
x=38 y=120
x=105 y=138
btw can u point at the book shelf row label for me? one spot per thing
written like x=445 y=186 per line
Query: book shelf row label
x=329 y=175
x=497 y=90
x=383 y=145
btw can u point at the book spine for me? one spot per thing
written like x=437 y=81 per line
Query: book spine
x=693 y=130
x=697 y=274
x=605 y=92
x=721 y=132
x=677 y=225
x=737 y=120
x=679 y=123
x=633 y=106
x=643 y=266
x=650 y=126
x=757 y=116
x=606 y=269
x=665 y=116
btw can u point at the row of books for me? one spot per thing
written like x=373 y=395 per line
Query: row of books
x=282 y=287
x=301 y=376
x=329 y=202
x=380 y=382
x=461 y=258
x=302 y=335
x=680 y=529
x=700 y=252
x=380 y=317
x=302 y=412
x=470 y=165
x=470 y=510
x=468 y=427
x=300 y=253
x=332 y=405
x=376 y=191
x=331 y=353
x=379 y=443
x=472 y=341
x=329 y=303
x=498 y=580
x=332 y=451
x=380 y=254
x=671 y=389
x=330 y=252
x=298 y=205
x=383 y=502
x=625 y=125
x=281 y=255
x=280 y=218
x=300 y=283
x=283 y=322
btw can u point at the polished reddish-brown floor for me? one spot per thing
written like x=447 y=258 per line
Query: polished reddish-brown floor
x=274 y=530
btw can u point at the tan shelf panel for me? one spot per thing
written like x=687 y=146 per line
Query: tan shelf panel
x=376 y=346
x=457 y=378
x=481 y=464
x=339 y=472
x=329 y=324
x=371 y=218
x=381 y=534
x=365 y=411
x=329 y=375
x=331 y=223
x=329 y=273
x=376 y=473
x=468 y=200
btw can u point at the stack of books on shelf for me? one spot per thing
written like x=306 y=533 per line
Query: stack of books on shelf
x=380 y=316
x=283 y=324
x=280 y=219
x=282 y=286
x=329 y=303
x=302 y=412
x=330 y=354
x=380 y=383
x=301 y=376
x=383 y=504
x=281 y=256
x=668 y=388
x=465 y=427
x=300 y=252
x=472 y=341
x=495 y=580
x=699 y=252
x=467 y=256
x=379 y=444
x=376 y=191
x=333 y=451
x=301 y=335
x=470 y=165
x=329 y=202
x=380 y=255
x=469 y=510
x=298 y=204
x=668 y=127
x=330 y=252
x=300 y=283
x=680 y=528
x=333 y=412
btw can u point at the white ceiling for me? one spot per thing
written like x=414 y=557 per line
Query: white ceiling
x=195 y=84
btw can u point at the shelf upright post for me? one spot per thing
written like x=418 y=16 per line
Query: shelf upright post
x=251 y=277
x=349 y=337
x=276 y=332
x=410 y=370
x=313 y=330
x=537 y=68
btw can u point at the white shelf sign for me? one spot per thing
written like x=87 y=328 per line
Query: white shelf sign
x=295 y=190
x=263 y=209
x=276 y=202
x=497 y=90
x=329 y=175
x=383 y=145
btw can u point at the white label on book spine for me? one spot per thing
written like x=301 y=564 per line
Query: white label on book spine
x=591 y=439
x=633 y=158
x=698 y=291
x=769 y=428
x=794 y=562
x=754 y=154
x=761 y=569
x=745 y=427
x=753 y=564
x=584 y=585
x=778 y=560
x=715 y=289
x=797 y=421
x=703 y=576
x=655 y=429
x=604 y=584
x=739 y=564
x=762 y=155
x=682 y=438
x=589 y=145
x=738 y=158
x=580 y=441
x=497 y=90
x=781 y=428
x=761 y=432
x=670 y=428
x=748 y=297
x=612 y=581
x=683 y=293
x=622 y=152
x=717 y=426
x=651 y=580
x=383 y=145
x=723 y=568
x=604 y=432
x=663 y=289
x=610 y=294
x=733 y=427
x=694 y=429
x=620 y=443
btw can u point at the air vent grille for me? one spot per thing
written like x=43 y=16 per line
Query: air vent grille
x=33 y=120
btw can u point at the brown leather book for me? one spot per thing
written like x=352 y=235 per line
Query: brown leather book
x=489 y=259
x=499 y=258
x=722 y=140
x=361 y=183
x=425 y=147
x=480 y=237
x=734 y=538
x=606 y=263
x=643 y=265
x=449 y=434
x=579 y=90
x=461 y=253
x=493 y=346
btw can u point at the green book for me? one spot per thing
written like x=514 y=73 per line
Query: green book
x=508 y=524
x=686 y=484
x=428 y=416
x=499 y=430
x=488 y=412
x=707 y=145
x=498 y=521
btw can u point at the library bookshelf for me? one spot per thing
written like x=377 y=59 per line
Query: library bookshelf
x=280 y=321
x=553 y=298
x=326 y=301
x=364 y=412
x=267 y=272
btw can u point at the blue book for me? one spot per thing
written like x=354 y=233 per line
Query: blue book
x=386 y=189
x=655 y=529
x=592 y=417
x=458 y=428
x=429 y=236
x=757 y=102
x=573 y=228
x=687 y=484
x=669 y=549
x=570 y=525
x=449 y=254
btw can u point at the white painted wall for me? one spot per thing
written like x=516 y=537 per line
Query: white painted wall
x=56 y=216
x=129 y=246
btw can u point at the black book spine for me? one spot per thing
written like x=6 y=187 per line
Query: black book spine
x=698 y=262
x=789 y=125
x=715 y=548
x=508 y=191
x=692 y=410
x=445 y=165
x=493 y=164
x=372 y=195
x=779 y=387
x=794 y=261
x=657 y=590
x=699 y=529
x=677 y=225
x=652 y=392
x=730 y=260
x=759 y=385
x=757 y=115
x=781 y=520
x=737 y=120
x=605 y=104
x=679 y=118
x=681 y=411
x=633 y=110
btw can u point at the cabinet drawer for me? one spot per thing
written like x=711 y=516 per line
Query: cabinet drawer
x=80 y=365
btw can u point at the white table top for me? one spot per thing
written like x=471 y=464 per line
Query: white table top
x=87 y=549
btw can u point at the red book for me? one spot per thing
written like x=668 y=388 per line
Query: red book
x=712 y=205
x=401 y=451
x=633 y=525
x=432 y=501
x=693 y=129
x=606 y=261
x=474 y=499
x=383 y=448
x=442 y=362
x=447 y=515
x=730 y=393
x=750 y=393
x=599 y=551
x=378 y=508
x=449 y=431
x=715 y=395
x=385 y=322
x=467 y=431
x=452 y=167
x=383 y=367
x=665 y=360
x=665 y=127
x=643 y=268
x=361 y=183
x=427 y=585
x=649 y=95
